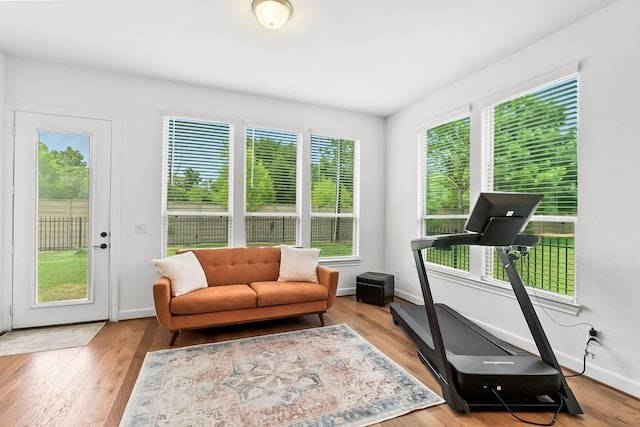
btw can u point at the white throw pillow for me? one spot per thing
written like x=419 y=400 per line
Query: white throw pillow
x=185 y=272
x=298 y=265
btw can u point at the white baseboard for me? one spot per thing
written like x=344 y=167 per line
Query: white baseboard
x=409 y=297
x=137 y=313
x=341 y=292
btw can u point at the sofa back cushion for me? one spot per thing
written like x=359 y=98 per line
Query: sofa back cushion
x=232 y=266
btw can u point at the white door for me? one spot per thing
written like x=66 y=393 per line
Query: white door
x=62 y=178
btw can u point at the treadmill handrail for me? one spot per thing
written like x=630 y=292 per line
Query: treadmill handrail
x=466 y=239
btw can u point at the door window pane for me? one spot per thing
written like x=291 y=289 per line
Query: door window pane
x=63 y=217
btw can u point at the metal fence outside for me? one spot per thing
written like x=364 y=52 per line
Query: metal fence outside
x=457 y=257
x=267 y=230
x=66 y=233
x=62 y=233
x=549 y=266
x=193 y=231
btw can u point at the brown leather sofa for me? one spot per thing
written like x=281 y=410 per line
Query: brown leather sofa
x=242 y=287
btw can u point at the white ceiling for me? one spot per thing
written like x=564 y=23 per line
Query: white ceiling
x=371 y=56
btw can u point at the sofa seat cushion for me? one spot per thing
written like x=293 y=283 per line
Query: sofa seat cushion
x=214 y=298
x=277 y=293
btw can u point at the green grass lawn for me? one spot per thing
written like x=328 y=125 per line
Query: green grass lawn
x=333 y=249
x=62 y=275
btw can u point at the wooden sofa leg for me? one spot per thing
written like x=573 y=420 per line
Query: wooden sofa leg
x=174 y=337
x=321 y=318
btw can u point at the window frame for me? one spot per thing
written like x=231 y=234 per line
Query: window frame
x=423 y=217
x=236 y=206
x=355 y=214
x=486 y=178
x=165 y=211
x=297 y=213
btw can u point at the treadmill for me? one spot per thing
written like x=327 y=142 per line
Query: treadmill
x=477 y=370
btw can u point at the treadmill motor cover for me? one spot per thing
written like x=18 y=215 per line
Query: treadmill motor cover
x=511 y=376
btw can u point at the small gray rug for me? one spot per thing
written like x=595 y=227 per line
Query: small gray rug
x=49 y=338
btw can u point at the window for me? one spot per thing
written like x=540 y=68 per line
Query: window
x=334 y=195
x=271 y=208
x=444 y=187
x=530 y=145
x=286 y=200
x=195 y=183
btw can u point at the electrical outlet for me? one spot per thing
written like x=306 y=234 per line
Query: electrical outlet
x=596 y=336
x=397 y=276
x=592 y=347
x=594 y=341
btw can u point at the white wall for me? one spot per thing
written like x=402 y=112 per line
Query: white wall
x=137 y=105
x=5 y=200
x=607 y=46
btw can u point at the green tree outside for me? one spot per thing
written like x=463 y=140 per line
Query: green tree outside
x=332 y=176
x=62 y=174
x=550 y=148
x=260 y=187
x=448 y=168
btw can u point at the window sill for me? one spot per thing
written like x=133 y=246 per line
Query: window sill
x=538 y=298
x=340 y=261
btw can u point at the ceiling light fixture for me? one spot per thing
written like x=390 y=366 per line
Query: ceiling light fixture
x=272 y=14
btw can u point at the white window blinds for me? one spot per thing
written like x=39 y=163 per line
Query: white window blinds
x=195 y=183
x=334 y=195
x=444 y=184
x=446 y=173
x=271 y=170
x=531 y=145
x=271 y=196
x=332 y=174
x=197 y=165
x=535 y=146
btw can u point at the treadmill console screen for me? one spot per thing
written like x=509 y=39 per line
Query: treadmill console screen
x=501 y=216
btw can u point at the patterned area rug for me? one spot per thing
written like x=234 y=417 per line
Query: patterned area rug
x=49 y=338
x=316 y=377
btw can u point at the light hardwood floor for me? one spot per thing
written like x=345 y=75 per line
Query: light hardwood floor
x=91 y=385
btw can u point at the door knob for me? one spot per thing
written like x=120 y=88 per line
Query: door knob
x=102 y=246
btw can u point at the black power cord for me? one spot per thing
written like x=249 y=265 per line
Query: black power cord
x=593 y=334
x=550 y=423
x=584 y=358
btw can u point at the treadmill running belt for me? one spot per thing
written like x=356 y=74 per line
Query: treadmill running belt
x=459 y=335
